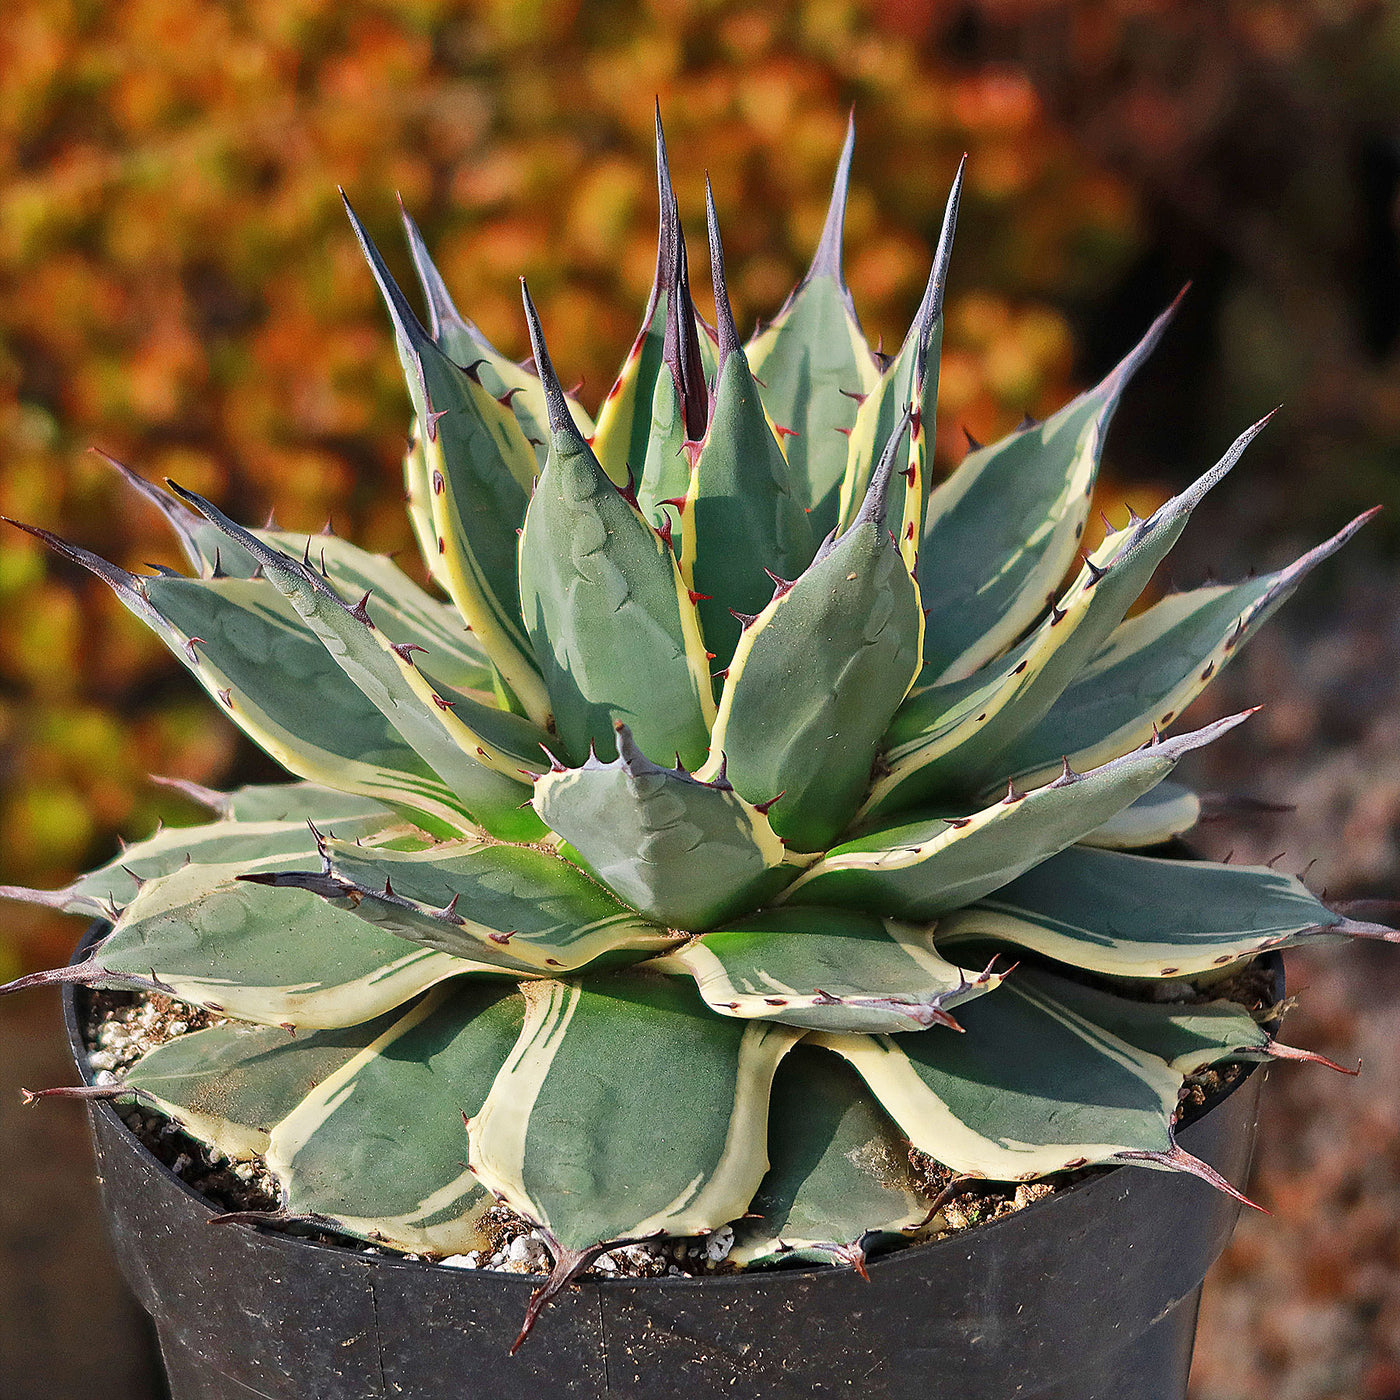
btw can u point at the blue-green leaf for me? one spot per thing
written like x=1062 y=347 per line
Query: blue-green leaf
x=816 y=367
x=922 y=869
x=817 y=676
x=682 y=852
x=614 y=631
x=1128 y=915
x=1002 y=530
x=741 y=514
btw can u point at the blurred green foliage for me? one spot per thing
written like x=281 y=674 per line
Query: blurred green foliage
x=178 y=285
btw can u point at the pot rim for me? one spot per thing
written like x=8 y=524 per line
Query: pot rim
x=743 y=1278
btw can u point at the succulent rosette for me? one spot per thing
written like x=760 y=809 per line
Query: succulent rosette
x=672 y=871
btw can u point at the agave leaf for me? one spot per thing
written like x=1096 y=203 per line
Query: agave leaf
x=1141 y=916
x=599 y=1145
x=230 y=1085
x=480 y=752
x=280 y=802
x=615 y=634
x=827 y=969
x=277 y=957
x=111 y=887
x=1168 y=811
x=1032 y=1088
x=910 y=381
x=816 y=367
x=680 y=851
x=642 y=420
x=840 y=1169
x=741 y=514
x=1189 y=1037
x=1153 y=665
x=818 y=674
x=480 y=470
x=199 y=540
x=380 y=1147
x=925 y=868
x=407 y=613
x=462 y=341
x=516 y=908
x=249 y=648
x=1002 y=530
x=952 y=737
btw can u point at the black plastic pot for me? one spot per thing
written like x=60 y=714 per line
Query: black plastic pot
x=1090 y=1294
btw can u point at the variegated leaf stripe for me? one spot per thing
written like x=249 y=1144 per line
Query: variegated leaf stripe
x=949 y=738
x=230 y=1085
x=461 y=340
x=279 y=802
x=818 y=674
x=623 y=439
x=683 y=852
x=925 y=868
x=480 y=751
x=615 y=633
x=840 y=1169
x=741 y=514
x=379 y=1146
x=1127 y=915
x=1190 y=1037
x=1163 y=814
x=1153 y=666
x=516 y=908
x=1033 y=1087
x=827 y=969
x=248 y=648
x=480 y=470
x=102 y=892
x=914 y=369
x=418 y=498
x=1003 y=529
x=273 y=956
x=815 y=366
x=599 y=1145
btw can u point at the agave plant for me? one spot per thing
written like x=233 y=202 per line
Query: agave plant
x=672 y=873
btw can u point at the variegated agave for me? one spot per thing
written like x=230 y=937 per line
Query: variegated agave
x=664 y=998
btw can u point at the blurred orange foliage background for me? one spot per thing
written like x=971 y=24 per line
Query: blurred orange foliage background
x=178 y=285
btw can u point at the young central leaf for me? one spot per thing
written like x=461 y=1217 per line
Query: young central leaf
x=741 y=515
x=642 y=424
x=613 y=629
x=816 y=367
x=818 y=675
x=682 y=852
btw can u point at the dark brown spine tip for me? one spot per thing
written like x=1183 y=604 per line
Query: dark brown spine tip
x=931 y=307
x=561 y=421
x=724 y=313
x=826 y=261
